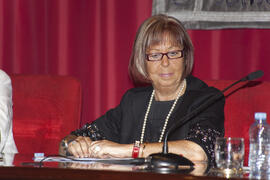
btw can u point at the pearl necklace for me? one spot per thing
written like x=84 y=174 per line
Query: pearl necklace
x=183 y=84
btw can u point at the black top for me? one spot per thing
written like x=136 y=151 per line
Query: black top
x=156 y=119
x=123 y=124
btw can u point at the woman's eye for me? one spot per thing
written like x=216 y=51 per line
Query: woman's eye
x=173 y=53
x=155 y=55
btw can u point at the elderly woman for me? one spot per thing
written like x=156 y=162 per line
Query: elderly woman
x=162 y=56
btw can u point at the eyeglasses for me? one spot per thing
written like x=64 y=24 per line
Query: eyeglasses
x=170 y=55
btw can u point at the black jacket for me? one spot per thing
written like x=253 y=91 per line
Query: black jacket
x=123 y=124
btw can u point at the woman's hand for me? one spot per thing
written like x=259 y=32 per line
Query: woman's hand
x=109 y=149
x=79 y=147
x=85 y=147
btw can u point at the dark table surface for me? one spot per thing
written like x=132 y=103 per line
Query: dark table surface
x=24 y=167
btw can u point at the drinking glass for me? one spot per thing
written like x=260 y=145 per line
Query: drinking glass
x=229 y=154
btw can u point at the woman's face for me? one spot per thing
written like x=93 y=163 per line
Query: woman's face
x=165 y=73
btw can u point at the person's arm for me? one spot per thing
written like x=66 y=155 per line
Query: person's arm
x=7 y=144
x=186 y=148
x=80 y=145
x=109 y=149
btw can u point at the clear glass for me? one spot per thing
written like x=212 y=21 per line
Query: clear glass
x=229 y=153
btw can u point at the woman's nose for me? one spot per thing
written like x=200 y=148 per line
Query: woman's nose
x=165 y=61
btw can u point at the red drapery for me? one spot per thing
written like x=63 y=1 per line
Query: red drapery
x=92 y=39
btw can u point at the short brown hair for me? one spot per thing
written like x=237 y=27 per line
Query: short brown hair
x=151 y=32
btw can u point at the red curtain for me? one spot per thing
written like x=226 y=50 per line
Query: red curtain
x=231 y=54
x=92 y=40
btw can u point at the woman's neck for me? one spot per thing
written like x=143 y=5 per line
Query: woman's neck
x=168 y=93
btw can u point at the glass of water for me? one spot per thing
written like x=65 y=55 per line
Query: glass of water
x=229 y=154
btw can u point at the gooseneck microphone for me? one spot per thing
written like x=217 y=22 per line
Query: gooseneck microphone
x=249 y=77
x=169 y=162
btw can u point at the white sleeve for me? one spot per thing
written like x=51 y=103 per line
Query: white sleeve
x=7 y=144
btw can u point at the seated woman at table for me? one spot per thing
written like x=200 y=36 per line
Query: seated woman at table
x=163 y=57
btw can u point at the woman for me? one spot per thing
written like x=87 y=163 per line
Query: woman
x=163 y=56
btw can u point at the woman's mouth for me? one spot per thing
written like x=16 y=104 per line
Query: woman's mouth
x=166 y=74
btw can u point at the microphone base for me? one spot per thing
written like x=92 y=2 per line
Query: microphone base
x=169 y=163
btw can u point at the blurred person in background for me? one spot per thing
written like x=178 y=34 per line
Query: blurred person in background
x=7 y=144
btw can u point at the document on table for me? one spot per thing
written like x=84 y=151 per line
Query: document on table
x=85 y=160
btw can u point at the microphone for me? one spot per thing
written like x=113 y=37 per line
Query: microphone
x=249 y=77
x=169 y=162
x=253 y=75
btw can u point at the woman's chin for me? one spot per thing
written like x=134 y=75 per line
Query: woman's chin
x=166 y=84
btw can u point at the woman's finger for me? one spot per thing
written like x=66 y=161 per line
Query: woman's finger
x=88 y=142
x=79 y=146
x=84 y=147
x=74 y=148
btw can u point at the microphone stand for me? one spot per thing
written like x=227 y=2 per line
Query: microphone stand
x=165 y=162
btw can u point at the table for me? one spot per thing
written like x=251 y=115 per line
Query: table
x=25 y=168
